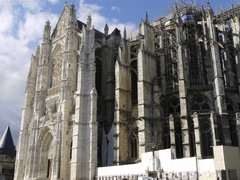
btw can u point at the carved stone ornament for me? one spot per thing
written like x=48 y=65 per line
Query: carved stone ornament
x=57 y=59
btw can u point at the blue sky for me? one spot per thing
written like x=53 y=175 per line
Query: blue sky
x=21 y=28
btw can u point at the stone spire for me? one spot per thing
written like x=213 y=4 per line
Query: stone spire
x=6 y=143
x=125 y=32
x=106 y=28
x=209 y=9
x=47 y=32
x=146 y=18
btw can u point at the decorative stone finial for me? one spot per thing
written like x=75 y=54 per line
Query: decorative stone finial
x=106 y=28
x=125 y=32
x=208 y=5
x=89 y=21
x=47 y=31
x=146 y=18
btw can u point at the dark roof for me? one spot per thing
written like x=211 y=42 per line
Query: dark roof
x=98 y=34
x=6 y=143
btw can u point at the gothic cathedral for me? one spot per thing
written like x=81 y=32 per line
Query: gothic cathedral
x=97 y=99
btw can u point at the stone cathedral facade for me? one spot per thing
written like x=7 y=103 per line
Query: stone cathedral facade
x=97 y=99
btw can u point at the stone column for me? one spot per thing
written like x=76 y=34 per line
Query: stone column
x=182 y=89
x=197 y=135
x=206 y=47
x=238 y=126
x=146 y=74
x=84 y=147
x=122 y=105
x=218 y=85
x=27 y=111
x=172 y=134
x=68 y=86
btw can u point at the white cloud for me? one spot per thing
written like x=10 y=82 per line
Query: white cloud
x=7 y=16
x=99 y=21
x=14 y=58
x=115 y=8
x=53 y=1
x=31 y=28
x=20 y=31
x=33 y=5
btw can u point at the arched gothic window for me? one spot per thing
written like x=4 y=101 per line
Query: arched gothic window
x=134 y=83
x=98 y=74
x=233 y=132
x=166 y=136
x=70 y=154
x=192 y=138
x=171 y=60
x=173 y=106
x=229 y=105
x=178 y=139
x=54 y=108
x=200 y=103
x=134 y=143
x=45 y=153
x=206 y=138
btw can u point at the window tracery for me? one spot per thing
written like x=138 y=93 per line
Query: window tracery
x=134 y=83
x=134 y=143
x=171 y=61
x=200 y=103
x=233 y=132
x=174 y=106
x=227 y=54
x=206 y=138
x=166 y=136
x=57 y=60
x=229 y=105
x=178 y=138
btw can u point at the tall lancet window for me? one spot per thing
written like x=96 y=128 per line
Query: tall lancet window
x=173 y=108
x=232 y=124
x=233 y=132
x=166 y=136
x=134 y=82
x=98 y=74
x=201 y=105
x=227 y=54
x=171 y=62
x=134 y=143
x=230 y=53
x=195 y=60
x=206 y=138
x=178 y=139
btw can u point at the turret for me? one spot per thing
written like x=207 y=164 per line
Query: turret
x=47 y=32
x=106 y=28
x=89 y=22
x=6 y=143
x=72 y=16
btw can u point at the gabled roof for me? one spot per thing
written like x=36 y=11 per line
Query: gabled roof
x=6 y=143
